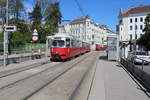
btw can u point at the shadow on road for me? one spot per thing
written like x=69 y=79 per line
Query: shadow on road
x=103 y=58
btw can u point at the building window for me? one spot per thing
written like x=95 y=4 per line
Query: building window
x=141 y=27
x=135 y=36
x=136 y=27
x=92 y=36
x=135 y=19
x=121 y=28
x=130 y=27
x=141 y=19
x=120 y=21
x=130 y=36
x=131 y=20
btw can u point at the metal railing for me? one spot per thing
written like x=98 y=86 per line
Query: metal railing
x=140 y=71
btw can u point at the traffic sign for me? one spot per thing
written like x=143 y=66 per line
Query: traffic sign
x=35 y=32
x=34 y=38
x=10 y=28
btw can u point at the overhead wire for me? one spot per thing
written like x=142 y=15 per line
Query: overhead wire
x=80 y=8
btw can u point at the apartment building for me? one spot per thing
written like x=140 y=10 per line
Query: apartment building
x=85 y=29
x=131 y=24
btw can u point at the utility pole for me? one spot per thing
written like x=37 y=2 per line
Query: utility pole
x=6 y=37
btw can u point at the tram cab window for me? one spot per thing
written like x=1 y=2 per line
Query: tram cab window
x=54 y=43
x=58 y=43
x=67 y=42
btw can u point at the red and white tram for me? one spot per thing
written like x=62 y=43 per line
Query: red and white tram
x=66 y=46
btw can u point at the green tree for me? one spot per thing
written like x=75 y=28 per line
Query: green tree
x=144 y=40
x=36 y=16
x=16 y=8
x=43 y=31
x=16 y=40
x=53 y=17
x=49 y=12
x=2 y=11
x=22 y=27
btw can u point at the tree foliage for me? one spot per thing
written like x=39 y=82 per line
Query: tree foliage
x=53 y=17
x=144 y=40
x=50 y=13
x=45 y=17
x=36 y=16
x=2 y=11
x=16 y=8
x=22 y=27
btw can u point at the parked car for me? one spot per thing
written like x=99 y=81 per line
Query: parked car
x=138 y=56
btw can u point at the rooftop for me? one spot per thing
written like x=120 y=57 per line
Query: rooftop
x=136 y=10
x=81 y=19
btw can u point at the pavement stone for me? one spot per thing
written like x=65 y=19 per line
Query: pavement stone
x=112 y=82
x=22 y=64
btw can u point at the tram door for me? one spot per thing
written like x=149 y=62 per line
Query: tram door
x=48 y=46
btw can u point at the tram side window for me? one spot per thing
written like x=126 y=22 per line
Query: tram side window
x=67 y=42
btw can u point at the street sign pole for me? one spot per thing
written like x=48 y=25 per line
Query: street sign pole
x=6 y=38
x=34 y=39
x=4 y=48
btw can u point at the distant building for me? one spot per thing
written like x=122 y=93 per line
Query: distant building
x=131 y=24
x=85 y=29
x=64 y=28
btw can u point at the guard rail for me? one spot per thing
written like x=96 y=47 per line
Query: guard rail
x=140 y=72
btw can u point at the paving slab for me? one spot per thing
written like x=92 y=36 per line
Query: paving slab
x=112 y=82
x=22 y=64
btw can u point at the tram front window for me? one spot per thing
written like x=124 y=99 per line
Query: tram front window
x=58 y=43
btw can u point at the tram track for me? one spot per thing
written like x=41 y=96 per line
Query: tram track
x=76 y=94
x=47 y=71
x=73 y=65
x=70 y=80
x=26 y=77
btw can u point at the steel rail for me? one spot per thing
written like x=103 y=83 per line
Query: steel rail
x=56 y=77
x=15 y=83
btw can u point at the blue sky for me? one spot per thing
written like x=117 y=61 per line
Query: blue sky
x=100 y=11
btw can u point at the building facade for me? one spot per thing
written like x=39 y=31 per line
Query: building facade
x=85 y=29
x=131 y=24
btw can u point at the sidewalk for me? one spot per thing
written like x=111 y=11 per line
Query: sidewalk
x=112 y=82
x=22 y=64
x=16 y=55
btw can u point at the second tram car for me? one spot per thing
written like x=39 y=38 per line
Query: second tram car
x=100 y=47
x=66 y=46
